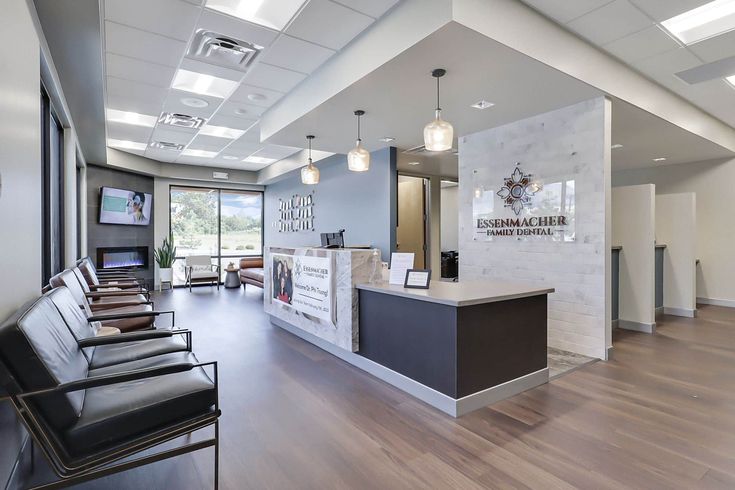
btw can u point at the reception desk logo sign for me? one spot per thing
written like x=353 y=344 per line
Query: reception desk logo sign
x=529 y=208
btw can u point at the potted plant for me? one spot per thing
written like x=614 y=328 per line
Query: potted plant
x=165 y=256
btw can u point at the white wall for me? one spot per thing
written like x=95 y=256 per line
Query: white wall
x=566 y=144
x=675 y=224
x=713 y=184
x=449 y=219
x=633 y=228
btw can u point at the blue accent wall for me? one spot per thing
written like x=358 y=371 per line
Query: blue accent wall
x=363 y=203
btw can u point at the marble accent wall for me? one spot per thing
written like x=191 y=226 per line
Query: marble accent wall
x=573 y=141
x=349 y=267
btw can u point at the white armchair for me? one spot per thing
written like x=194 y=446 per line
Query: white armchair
x=199 y=268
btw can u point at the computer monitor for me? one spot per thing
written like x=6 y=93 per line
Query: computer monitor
x=333 y=240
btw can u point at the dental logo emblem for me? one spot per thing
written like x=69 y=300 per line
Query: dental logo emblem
x=518 y=190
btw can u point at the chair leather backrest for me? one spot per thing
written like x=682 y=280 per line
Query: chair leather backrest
x=251 y=262
x=88 y=272
x=38 y=351
x=69 y=279
x=80 y=278
x=74 y=317
x=198 y=260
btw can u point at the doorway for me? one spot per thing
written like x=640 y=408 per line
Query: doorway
x=411 y=231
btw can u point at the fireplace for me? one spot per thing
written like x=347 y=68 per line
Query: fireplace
x=127 y=257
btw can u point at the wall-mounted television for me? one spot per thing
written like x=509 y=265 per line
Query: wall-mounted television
x=125 y=207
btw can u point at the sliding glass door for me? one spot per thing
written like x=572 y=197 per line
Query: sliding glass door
x=222 y=223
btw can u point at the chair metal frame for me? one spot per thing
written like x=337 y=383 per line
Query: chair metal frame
x=188 y=269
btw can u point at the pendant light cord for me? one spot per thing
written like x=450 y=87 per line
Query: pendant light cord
x=438 y=107
x=358 y=128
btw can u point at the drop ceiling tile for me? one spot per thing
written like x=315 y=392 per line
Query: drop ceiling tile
x=665 y=9
x=175 y=105
x=273 y=77
x=138 y=70
x=610 y=22
x=210 y=69
x=128 y=132
x=243 y=148
x=566 y=10
x=295 y=54
x=209 y=143
x=172 y=135
x=233 y=122
x=244 y=90
x=162 y=155
x=150 y=95
x=133 y=104
x=662 y=67
x=236 y=28
x=643 y=44
x=344 y=24
x=134 y=43
x=231 y=108
x=171 y=18
x=373 y=8
x=715 y=48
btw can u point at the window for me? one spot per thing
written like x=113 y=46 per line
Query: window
x=52 y=197
x=223 y=223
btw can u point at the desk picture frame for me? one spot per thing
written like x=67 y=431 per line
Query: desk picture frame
x=417 y=279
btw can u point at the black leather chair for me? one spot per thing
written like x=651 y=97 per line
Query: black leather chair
x=85 y=418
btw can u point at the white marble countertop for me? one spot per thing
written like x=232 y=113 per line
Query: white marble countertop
x=463 y=293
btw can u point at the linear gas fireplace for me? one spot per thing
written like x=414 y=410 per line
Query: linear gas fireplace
x=129 y=257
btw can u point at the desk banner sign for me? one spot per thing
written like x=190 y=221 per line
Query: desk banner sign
x=303 y=283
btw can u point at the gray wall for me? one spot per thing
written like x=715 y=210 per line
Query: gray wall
x=99 y=235
x=363 y=203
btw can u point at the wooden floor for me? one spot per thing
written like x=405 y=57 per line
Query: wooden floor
x=661 y=415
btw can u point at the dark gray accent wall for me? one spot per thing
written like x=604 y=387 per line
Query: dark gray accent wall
x=659 y=279
x=363 y=203
x=102 y=235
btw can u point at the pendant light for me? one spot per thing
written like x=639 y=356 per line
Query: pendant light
x=310 y=174
x=438 y=134
x=358 y=159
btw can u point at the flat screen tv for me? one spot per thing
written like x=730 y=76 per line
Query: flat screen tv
x=125 y=207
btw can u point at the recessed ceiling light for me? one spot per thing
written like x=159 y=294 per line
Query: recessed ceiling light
x=126 y=144
x=221 y=132
x=125 y=117
x=200 y=83
x=194 y=102
x=386 y=139
x=230 y=157
x=256 y=97
x=241 y=112
x=709 y=20
x=482 y=104
x=274 y=15
x=199 y=153
x=181 y=120
x=261 y=160
x=659 y=159
x=165 y=145
x=616 y=146
x=414 y=163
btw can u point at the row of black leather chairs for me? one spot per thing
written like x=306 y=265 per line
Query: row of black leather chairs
x=90 y=401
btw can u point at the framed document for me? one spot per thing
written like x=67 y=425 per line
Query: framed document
x=417 y=279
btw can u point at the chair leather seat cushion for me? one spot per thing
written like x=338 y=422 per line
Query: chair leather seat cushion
x=107 y=355
x=129 y=324
x=121 y=412
x=202 y=275
x=253 y=273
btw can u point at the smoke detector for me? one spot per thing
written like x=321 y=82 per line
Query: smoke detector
x=167 y=145
x=218 y=49
x=181 y=120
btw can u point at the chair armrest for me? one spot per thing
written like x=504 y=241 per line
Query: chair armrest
x=125 y=286
x=135 y=314
x=104 y=294
x=125 y=337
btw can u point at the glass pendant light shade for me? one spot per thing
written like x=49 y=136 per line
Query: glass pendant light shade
x=310 y=174
x=438 y=134
x=358 y=159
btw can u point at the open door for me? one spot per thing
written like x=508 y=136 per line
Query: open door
x=411 y=230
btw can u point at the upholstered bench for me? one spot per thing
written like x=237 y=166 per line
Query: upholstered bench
x=251 y=271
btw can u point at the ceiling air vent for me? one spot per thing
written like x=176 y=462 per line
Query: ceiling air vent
x=166 y=145
x=226 y=51
x=181 y=120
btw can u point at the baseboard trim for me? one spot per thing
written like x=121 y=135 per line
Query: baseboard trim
x=729 y=303
x=637 y=326
x=686 y=312
x=440 y=401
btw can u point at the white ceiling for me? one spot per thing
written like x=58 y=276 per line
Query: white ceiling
x=145 y=43
x=399 y=98
x=630 y=30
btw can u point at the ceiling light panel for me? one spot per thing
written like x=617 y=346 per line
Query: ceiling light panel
x=731 y=80
x=126 y=144
x=201 y=83
x=198 y=153
x=221 y=132
x=134 y=118
x=268 y=13
x=709 y=20
x=259 y=160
